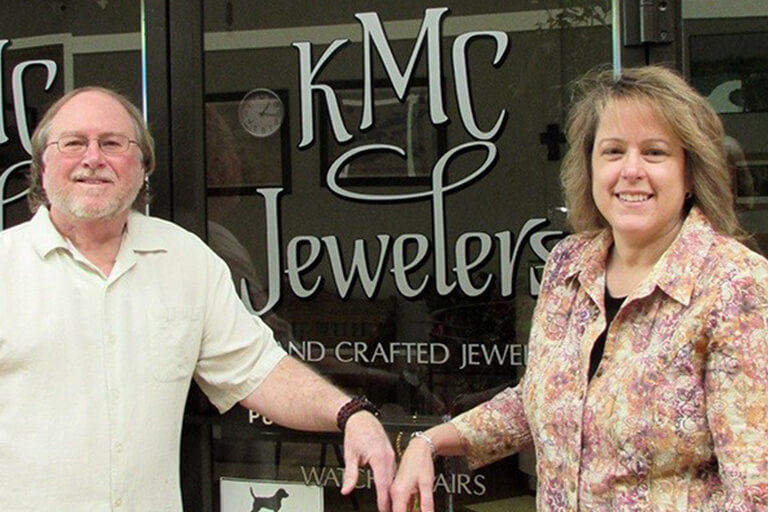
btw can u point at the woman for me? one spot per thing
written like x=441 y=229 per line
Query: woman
x=647 y=383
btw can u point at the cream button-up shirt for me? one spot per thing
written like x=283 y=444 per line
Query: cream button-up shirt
x=95 y=370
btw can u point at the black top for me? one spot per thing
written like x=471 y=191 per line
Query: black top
x=612 y=305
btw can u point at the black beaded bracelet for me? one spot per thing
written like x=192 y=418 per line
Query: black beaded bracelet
x=355 y=404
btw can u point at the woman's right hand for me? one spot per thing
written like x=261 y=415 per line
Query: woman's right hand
x=415 y=478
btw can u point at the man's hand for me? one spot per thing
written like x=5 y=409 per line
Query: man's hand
x=366 y=443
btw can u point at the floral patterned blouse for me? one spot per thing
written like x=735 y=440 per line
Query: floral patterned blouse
x=676 y=417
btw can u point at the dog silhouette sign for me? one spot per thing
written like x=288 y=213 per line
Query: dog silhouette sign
x=243 y=495
x=273 y=502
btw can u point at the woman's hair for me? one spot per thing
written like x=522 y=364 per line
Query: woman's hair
x=684 y=111
x=36 y=196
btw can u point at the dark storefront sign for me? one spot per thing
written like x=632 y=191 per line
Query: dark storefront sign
x=400 y=254
x=32 y=72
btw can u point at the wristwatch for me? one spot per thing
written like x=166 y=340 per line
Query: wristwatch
x=355 y=404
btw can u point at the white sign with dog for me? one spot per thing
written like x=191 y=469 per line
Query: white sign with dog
x=239 y=495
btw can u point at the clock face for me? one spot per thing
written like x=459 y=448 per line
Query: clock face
x=261 y=112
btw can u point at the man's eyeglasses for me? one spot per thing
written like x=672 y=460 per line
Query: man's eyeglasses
x=78 y=145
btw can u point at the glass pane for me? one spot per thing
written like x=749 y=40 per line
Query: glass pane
x=726 y=58
x=383 y=181
x=50 y=47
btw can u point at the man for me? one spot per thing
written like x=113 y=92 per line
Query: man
x=108 y=314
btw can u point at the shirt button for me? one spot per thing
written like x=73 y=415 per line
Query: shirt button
x=118 y=501
x=573 y=487
x=119 y=448
x=111 y=339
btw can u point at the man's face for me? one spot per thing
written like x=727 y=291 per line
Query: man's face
x=92 y=185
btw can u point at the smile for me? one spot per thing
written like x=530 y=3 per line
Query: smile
x=92 y=180
x=634 y=198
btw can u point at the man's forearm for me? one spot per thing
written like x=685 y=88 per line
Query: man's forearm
x=294 y=396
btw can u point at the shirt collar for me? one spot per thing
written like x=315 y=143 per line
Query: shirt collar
x=45 y=236
x=141 y=237
x=678 y=269
x=590 y=267
x=675 y=273
x=138 y=237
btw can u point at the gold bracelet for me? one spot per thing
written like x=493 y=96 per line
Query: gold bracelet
x=399 y=444
x=424 y=437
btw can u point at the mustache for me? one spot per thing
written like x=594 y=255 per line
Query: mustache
x=81 y=174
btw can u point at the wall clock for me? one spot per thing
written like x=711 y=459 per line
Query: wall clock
x=261 y=112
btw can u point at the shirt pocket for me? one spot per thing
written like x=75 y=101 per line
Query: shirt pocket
x=175 y=334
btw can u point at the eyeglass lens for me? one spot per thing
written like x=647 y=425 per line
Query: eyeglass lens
x=110 y=144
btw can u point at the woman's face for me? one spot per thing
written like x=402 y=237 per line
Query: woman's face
x=638 y=174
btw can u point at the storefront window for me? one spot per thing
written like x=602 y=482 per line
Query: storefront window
x=726 y=58
x=383 y=181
